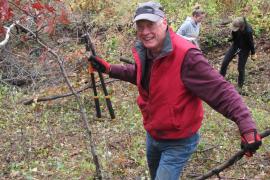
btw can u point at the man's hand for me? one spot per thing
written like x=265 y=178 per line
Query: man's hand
x=251 y=141
x=99 y=64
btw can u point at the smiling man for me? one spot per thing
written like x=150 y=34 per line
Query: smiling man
x=172 y=77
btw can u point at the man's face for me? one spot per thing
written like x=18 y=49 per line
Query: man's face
x=152 y=34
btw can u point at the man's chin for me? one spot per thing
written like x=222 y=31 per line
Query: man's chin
x=149 y=45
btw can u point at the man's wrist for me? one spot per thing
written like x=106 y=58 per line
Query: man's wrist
x=109 y=69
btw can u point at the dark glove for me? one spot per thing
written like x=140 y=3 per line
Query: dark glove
x=250 y=142
x=99 y=64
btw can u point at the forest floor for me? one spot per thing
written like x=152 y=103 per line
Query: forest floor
x=47 y=140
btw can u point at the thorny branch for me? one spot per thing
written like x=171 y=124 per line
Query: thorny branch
x=77 y=97
x=236 y=157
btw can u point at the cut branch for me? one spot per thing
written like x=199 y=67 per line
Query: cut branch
x=77 y=97
x=236 y=157
x=54 y=97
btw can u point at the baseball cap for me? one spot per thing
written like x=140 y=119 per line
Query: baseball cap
x=237 y=23
x=151 y=11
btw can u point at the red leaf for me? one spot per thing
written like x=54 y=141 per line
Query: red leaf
x=51 y=26
x=26 y=9
x=49 y=8
x=23 y=19
x=2 y=30
x=3 y=6
x=38 y=6
x=39 y=23
x=64 y=17
x=24 y=38
x=18 y=2
x=5 y=11
x=43 y=56
x=9 y=14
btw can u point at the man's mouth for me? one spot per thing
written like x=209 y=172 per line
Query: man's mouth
x=148 y=38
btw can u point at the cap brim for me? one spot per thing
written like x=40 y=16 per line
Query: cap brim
x=235 y=28
x=149 y=17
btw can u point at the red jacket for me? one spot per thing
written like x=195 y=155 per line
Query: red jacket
x=169 y=110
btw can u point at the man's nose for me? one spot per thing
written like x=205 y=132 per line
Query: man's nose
x=145 y=30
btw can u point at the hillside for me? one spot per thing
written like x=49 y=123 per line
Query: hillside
x=47 y=139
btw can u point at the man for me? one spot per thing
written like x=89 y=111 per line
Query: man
x=242 y=45
x=190 y=29
x=172 y=77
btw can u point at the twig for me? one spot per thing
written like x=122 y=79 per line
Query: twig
x=21 y=9
x=54 y=97
x=8 y=29
x=3 y=82
x=236 y=157
x=128 y=61
x=207 y=149
x=77 y=97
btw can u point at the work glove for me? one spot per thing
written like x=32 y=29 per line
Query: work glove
x=99 y=64
x=250 y=142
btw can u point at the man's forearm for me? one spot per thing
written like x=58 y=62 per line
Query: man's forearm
x=123 y=72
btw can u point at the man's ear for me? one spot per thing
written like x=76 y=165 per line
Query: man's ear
x=164 y=22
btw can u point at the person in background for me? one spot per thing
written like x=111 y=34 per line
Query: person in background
x=173 y=77
x=190 y=29
x=242 y=45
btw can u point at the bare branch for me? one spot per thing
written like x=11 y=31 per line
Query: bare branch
x=8 y=29
x=54 y=97
x=236 y=157
x=3 y=82
x=21 y=9
x=77 y=97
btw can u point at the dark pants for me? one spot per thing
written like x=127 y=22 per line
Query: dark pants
x=242 y=60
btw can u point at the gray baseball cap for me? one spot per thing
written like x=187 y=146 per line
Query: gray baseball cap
x=151 y=11
x=237 y=23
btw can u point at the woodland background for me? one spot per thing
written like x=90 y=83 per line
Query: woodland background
x=45 y=133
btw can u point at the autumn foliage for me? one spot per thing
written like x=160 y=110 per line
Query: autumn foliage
x=44 y=15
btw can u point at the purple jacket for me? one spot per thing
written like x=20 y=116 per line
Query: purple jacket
x=206 y=83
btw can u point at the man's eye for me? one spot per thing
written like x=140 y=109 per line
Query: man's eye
x=151 y=24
